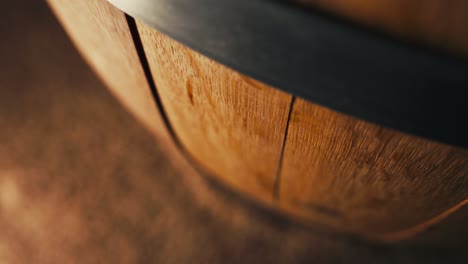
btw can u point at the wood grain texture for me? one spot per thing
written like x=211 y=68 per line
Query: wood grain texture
x=336 y=170
x=234 y=126
x=358 y=176
x=101 y=33
x=442 y=23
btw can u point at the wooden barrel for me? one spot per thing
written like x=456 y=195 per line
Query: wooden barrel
x=349 y=114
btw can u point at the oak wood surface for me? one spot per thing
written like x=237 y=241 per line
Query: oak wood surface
x=101 y=33
x=363 y=177
x=336 y=170
x=439 y=23
x=234 y=126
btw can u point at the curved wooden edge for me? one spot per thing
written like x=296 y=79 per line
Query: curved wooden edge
x=347 y=162
x=109 y=72
x=364 y=178
x=412 y=232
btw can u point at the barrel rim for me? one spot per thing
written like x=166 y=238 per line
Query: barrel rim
x=323 y=60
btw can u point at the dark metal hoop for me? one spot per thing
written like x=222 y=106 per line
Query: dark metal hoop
x=323 y=60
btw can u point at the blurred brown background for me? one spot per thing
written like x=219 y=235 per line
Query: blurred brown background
x=81 y=181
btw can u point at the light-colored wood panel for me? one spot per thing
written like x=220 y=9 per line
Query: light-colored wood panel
x=232 y=125
x=101 y=33
x=442 y=23
x=361 y=177
x=337 y=170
